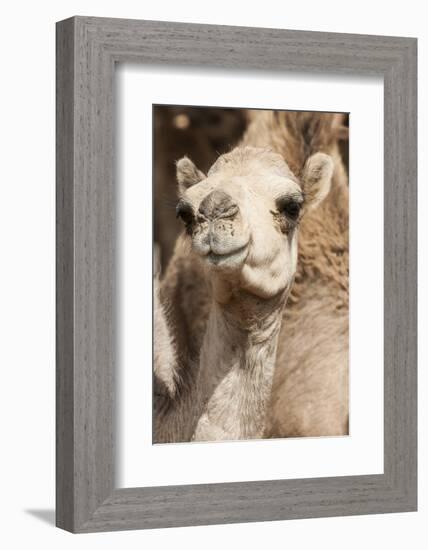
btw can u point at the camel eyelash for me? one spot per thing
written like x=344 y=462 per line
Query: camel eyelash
x=184 y=211
x=290 y=207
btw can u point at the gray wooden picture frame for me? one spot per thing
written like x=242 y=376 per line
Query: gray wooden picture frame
x=87 y=51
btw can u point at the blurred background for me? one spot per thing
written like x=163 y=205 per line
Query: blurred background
x=202 y=133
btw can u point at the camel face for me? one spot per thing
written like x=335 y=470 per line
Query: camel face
x=242 y=218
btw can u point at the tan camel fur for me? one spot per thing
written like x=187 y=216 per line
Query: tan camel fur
x=233 y=369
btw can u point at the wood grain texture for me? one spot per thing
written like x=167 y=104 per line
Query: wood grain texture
x=64 y=277
x=87 y=49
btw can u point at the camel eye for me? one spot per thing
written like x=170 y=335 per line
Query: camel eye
x=184 y=211
x=289 y=207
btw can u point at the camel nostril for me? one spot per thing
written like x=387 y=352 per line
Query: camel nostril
x=230 y=212
x=218 y=204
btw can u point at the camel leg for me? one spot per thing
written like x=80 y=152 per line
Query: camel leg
x=164 y=356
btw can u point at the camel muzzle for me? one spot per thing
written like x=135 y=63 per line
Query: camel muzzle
x=218 y=204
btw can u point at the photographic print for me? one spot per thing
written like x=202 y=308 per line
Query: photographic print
x=250 y=274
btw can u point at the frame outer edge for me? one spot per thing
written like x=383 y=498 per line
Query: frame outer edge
x=400 y=315
x=94 y=276
x=65 y=108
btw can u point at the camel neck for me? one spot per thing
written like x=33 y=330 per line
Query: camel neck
x=236 y=370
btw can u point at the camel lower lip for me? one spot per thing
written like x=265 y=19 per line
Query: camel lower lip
x=229 y=257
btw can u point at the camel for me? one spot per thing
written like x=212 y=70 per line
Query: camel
x=231 y=360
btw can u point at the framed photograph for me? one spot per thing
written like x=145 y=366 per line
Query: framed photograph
x=236 y=274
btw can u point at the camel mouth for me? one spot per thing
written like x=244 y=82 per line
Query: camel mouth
x=228 y=260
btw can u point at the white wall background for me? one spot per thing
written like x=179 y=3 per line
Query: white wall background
x=27 y=272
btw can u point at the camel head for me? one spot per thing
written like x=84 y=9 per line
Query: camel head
x=242 y=218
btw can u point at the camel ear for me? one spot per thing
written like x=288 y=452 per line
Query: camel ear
x=187 y=174
x=316 y=178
